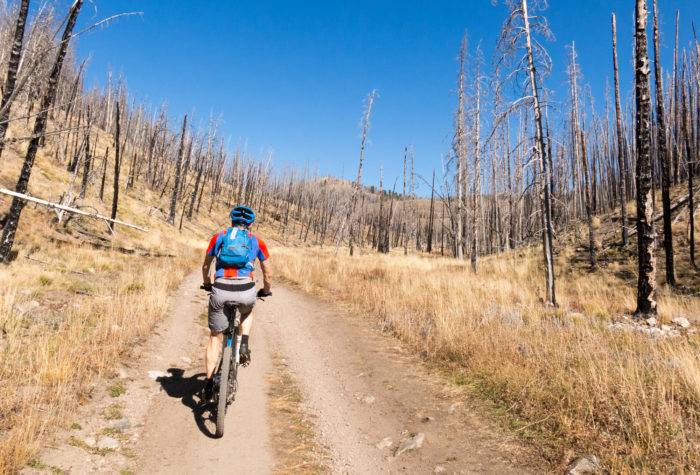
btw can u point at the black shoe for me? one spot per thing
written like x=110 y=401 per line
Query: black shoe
x=245 y=354
x=209 y=390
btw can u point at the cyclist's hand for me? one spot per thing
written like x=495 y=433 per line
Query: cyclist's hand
x=206 y=286
x=264 y=293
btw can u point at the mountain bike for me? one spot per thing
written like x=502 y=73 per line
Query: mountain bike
x=226 y=374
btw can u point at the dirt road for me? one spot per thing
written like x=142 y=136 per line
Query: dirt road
x=363 y=392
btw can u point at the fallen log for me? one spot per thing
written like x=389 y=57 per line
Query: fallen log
x=54 y=266
x=139 y=251
x=69 y=209
x=674 y=207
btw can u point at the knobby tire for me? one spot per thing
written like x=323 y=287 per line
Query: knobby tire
x=223 y=390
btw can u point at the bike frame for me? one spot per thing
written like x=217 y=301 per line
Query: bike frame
x=233 y=339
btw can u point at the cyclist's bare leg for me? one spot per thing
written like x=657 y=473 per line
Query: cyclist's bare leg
x=247 y=324
x=211 y=357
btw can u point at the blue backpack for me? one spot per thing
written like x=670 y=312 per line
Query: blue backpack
x=235 y=249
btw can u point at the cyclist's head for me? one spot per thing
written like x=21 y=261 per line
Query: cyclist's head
x=242 y=214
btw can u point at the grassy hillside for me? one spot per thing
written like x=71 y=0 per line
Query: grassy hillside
x=563 y=378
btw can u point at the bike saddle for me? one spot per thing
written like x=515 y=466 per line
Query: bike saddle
x=230 y=305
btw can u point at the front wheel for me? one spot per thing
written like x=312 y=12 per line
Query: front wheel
x=223 y=390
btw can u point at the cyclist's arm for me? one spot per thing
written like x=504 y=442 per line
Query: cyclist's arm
x=267 y=274
x=208 y=258
x=206 y=276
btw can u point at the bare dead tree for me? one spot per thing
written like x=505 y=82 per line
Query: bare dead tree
x=403 y=203
x=87 y=164
x=519 y=36
x=622 y=164
x=459 y=145
x=646 y=236
x=200 y=168
x=350 y=217
x=12 y=221
x=104 y=175
x=690 y=164
x=117 y=160
x=662 y=153
x=12 y=67
x=589 y=204
x=178 y=169
x=676 y=110
x=431 y=218
x=476 y=189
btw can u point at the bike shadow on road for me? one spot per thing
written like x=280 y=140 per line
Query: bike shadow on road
x=188 y=390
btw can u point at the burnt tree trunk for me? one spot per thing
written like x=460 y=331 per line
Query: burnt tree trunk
x=646 y=237
x=622 y=163
x=12 y=221
x=476 y=191
x=88 y=158
x=662 y=153
x=194 y=192
x=431 y=217
x=690 y=163
x=350 y=218
x=178 y=169
x=546 y=212
x=589 y=203
x=8 y=89
x=117 y=162
x=104 y=175
x=460 y=151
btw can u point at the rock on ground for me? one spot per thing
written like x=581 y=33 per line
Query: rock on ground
x=586 y=465
x=681 y=322
x=412 y=443
x=122 y=424
x=107 y=443
x=384 y=443
x=90 y=441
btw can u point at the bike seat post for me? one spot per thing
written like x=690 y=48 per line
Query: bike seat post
x=234 y=318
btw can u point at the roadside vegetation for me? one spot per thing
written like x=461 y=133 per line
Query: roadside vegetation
x=562 y=378
x=71 y=309
x=293 y=431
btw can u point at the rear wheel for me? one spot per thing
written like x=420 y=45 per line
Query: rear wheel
x=223 y=391
x=232 y=382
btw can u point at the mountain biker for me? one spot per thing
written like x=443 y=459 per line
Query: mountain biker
x=235 y=250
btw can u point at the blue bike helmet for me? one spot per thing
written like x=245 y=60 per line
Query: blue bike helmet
x=242 y=214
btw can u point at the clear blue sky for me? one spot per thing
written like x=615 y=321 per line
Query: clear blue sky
x=291 y=77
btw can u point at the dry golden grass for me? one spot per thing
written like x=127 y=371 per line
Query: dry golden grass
x=559 y=376
x=60 y=329
x=293 y=436
x=71 y=305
